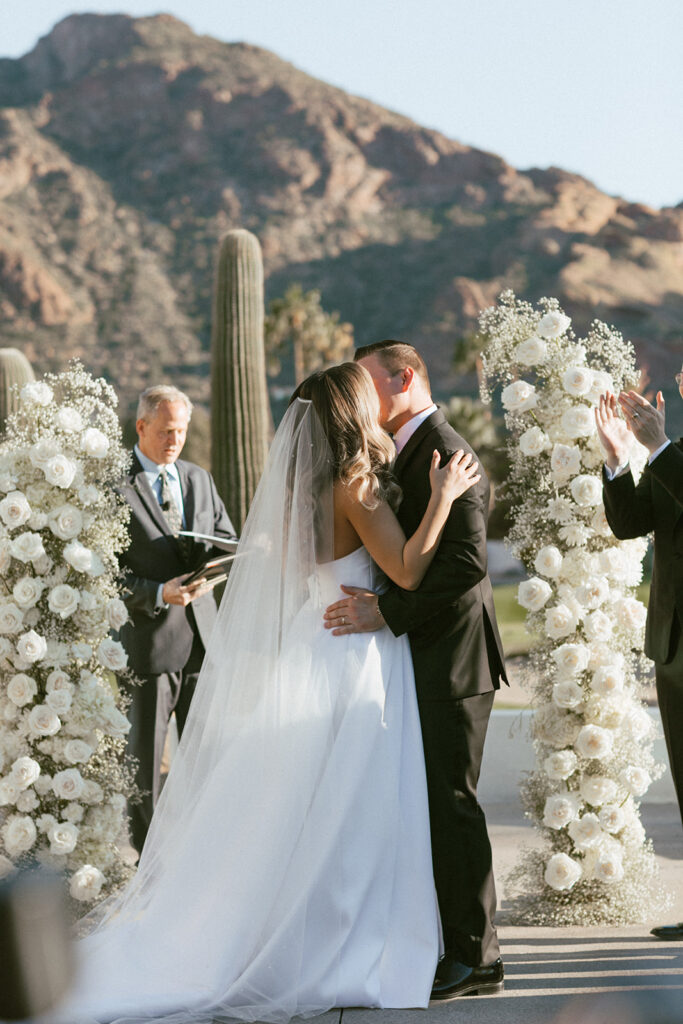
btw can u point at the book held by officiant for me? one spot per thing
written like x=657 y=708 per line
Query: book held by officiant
x=212 y=572
x=218 y=542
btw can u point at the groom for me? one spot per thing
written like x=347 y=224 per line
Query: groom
x=458 y=661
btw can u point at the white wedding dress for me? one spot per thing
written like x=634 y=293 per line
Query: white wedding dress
x=290 y=871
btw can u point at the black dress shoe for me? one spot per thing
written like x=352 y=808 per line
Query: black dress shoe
x=456 y=979
x=668 y=931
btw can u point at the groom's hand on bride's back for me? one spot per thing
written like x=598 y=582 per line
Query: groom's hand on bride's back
x=357 y=613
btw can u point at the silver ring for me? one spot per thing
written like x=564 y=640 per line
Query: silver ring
x=636 y=415
x=343 y=620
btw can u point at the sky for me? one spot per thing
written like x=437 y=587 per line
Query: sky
x=592 y=86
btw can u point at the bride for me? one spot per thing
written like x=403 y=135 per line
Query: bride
x=288 y=869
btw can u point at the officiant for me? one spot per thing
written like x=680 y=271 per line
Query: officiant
x=171 y=618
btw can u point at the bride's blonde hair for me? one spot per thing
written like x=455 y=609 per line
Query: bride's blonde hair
x=346 y=402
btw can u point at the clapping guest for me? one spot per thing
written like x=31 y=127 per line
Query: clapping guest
x=653 y=505
x=169 y=623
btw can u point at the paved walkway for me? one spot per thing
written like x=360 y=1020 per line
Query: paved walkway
x=562 y=975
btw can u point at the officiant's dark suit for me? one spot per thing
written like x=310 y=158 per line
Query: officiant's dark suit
x=165 y=642
x=655 y=505
x=458 y=659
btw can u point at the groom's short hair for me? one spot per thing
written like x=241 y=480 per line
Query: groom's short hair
x=395 y=356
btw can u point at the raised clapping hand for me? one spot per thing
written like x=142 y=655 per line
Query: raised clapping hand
x=455 y=478
x=646 y=422
x=613 y=431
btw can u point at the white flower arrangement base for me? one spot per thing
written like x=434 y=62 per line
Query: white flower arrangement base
x=592 y=734
x=63 y=775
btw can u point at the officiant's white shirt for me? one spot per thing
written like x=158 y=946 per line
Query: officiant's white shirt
x=404 y=433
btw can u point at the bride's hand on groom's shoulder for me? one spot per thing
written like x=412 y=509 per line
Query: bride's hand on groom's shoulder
x=357 y=613
x=456 y=477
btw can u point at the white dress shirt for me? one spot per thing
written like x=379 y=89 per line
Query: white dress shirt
x=152 y=472
x=404 y=433
x=612 y=473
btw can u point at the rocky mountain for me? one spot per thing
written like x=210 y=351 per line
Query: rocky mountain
x=128 y=146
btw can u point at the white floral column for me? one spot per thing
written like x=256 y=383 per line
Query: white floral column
x=63 y=778
x=592 y=733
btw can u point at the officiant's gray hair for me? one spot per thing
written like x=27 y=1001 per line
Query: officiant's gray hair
x=151 y=398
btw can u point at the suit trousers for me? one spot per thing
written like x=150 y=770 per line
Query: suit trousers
x=669 y=679
x=150 y=712
x=453 y=733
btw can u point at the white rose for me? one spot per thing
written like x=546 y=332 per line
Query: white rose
x=565 y=462
x=635 y=779
x=586 y=490
x=532 y=594
x=58 y=680
x=602 y=383
x=88 y=601
x=63 y=837
x=599 y=522
x=43 y=721
x=86 y=883
x=74 y=813
x=612 y=818
x=27 y=801
x=613 y=563
x=560 y=621
x=19 y=834
x=560 y=809
x=36 y=392
x=31 y=646
x=548 y=561
x=597 y=789
x=92 y=792
x=95 y=443
x=602 y=654
x=69 y=419
x=116 y=722
x=112 y=655
x=42 y=451
x=63 y=600
x=598 y=626
x=609 y=867
x=15 y=510
x=577 y=381
x=26 y=591
x=88 y=494
x=10 y=791
x=534 y=441
x=81 y=651
x=25 y=771
x=607 y=679
x=567 y=694
x=116 y=612
x=638 y=723
x=77 y=751
x=11 y=618
x=561 y=872
x=27 y=547
x=68 y=784
x=605 y=711
x=578 y=421
x=531 y=352
x=66 y=522
x=560 y=765
x=631 y=613
x=571 y=659
x=594 y=742
x=585 y=832
x=553 y=324
x=593 y=592
x=83 y=559
x=59 y=701
x=60 y=471
x=21 y=689
x=519 y=396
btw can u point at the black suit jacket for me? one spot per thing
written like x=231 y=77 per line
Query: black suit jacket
x=160 y=640
x=450 y=619
x=654 y=504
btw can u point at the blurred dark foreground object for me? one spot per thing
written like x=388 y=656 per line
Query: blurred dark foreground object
x=636 y=1007
x=36 y=959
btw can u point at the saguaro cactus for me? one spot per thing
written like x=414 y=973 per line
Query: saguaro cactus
x=240 y=412
x=14 y=369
